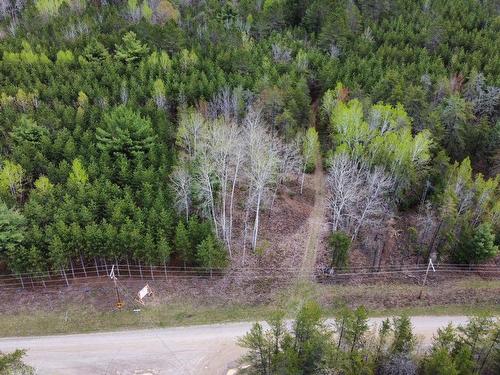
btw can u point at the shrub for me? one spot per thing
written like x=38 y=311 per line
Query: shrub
x=339 y=244
x=477 y=245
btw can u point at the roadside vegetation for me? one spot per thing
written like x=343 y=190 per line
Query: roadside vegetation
x=310 y=346
x=89 y=309
x=12 y=364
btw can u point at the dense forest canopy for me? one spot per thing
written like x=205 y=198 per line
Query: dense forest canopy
x=104 y=103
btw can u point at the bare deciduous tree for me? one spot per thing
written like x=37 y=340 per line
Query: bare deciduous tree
x=358 y=196
x=262 y=167
x=181 y=181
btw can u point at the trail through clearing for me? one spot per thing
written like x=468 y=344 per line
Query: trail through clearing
x=316 y=223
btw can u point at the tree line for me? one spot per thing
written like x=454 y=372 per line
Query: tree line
x=309 y=345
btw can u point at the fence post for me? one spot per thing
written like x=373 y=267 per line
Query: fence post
x=96 y=269
x=128 y=266
x=65 y=277
x=83 y=265
x=165 y=269
x=117 y=267
x=140 y=270
x=152 y=275
x=72 y=268
x=22 y=282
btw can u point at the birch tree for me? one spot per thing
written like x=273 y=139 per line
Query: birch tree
x=181 y=183
x=358 y=196
x=263 y=163
x=344 y=181
x=375 y=202
x=224 y=145
x=189 y=132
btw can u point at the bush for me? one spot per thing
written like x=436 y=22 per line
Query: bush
x=477 y=245
x=339 y=244
x=11 y=363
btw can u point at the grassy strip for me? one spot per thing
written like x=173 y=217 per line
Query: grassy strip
x=78 y=320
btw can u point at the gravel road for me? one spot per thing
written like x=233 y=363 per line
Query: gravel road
x=207 y=349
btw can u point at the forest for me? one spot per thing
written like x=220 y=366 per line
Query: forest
x=159 y=131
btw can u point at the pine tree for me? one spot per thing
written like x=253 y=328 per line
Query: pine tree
x=211 y=254
x=131 y=50
x=183 y=245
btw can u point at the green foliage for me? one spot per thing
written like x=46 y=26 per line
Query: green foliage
x=439 y=363
x=11 y=230
x=125 y=132
x=131 y=50
x=478 y=246
x=470 y=211
x=430 y=67
x=48 y=8
x=404 y=340
x=182 y=243
x=310 y=347
x=12 y=364
x=385 y=138
x=95 y=52
x=211 y=254
x=78 y=176
x=11 y=179
x=282 y=351
x=310 y=149
x=339 y=244
x=464 y=350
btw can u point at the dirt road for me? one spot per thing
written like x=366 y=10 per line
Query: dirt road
x=209 y=349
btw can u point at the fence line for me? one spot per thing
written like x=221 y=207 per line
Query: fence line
x=101 y=269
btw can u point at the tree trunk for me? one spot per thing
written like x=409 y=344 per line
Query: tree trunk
x=256 y=223
x=302 y=181
x=231 y=202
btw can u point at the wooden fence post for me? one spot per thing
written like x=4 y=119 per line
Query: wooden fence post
x=83 y=265
x=96 y=268
x=117 y=267
x=72 y=268
x=65 y=277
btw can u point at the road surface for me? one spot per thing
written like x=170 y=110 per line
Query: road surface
x=208 y=349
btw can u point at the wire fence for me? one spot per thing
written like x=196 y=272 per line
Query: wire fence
x=100 y=271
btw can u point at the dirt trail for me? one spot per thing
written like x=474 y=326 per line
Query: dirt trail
x=316 y=223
